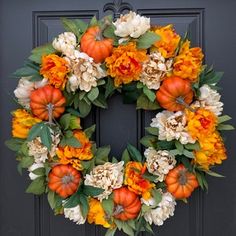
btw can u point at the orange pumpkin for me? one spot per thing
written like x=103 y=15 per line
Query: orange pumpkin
x=127 y=204
x=64 y=180
x=175 y=93
x=47 y=102
x=93 y=44
x=180 y=182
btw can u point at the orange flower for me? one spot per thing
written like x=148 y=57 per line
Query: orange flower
x=22 y=122
x=55 y=69
x=125 y=63
x=212 y=151
x=188 y=63
x=74 y=156
x=168 y=42
x=135 y=181
x=96 y=213
x=201 y=123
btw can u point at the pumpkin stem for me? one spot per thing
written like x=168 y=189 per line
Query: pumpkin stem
x=50 y=113
x=118 y=209
x=105 y=24
x=181 y=101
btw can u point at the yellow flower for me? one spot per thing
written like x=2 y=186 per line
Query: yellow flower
x=201 y=123
x=96 y=213
x=135 y=181
x=168 y=42
x=212 y=151
x=188 y=63
x=55 y=69
x=22 y=122
x=74 y=156
x=125 y=63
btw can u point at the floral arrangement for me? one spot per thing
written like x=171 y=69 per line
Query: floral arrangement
x=151 y=66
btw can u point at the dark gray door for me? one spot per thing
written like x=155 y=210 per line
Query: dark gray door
x=26 y=23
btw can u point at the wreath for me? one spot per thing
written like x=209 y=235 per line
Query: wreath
x=151 y=66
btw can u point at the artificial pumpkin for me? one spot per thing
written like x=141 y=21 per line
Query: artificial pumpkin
x=127 y=204
x=95 y=45
x=175 y=93
x=64 y=180
x=180 y=182
x=47 y=102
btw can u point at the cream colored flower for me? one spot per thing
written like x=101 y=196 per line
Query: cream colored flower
x=39 y=151
x=131 y=25
x=172 y=126
x=75 y=215
x=108 y=177
x=163 y=211
x=65 y=43
x=33 y=167
x=210 y=100
x=24 y=89
x=85 y=72
x=159 y=163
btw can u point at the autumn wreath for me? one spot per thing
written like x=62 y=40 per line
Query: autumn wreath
x=150 y=66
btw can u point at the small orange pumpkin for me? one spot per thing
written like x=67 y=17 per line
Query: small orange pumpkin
x=127 y=204
x=47 y=101
x=175 y=93
x=93 y=44
x=64 y=180
x=180 y=182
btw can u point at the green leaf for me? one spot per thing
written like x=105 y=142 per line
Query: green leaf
x=84 y=108
x=125 y=156
x=82 y=25
x=147 y=40
x=176 y=152
x=84 y=205
x=37 y=186
x=224 y=118
x=201 y=180
x=54 y=200
x=72 y=26
x=156 y=195
x=73 y=200
x=111 y=232
x=40 y=171
x=35 y=131
x=149 y=93
x=14 y=144
x=168 y=145
x=149 y=176
x=214 y=79
x=225 y=127
x=148 y=140
x=101 y=155
x=93 y=21
x=26 y=161
x=100 y=101
x=127 y=229
x=144 y=103
x=71 y=141
x=152 y=130
x=37 y=53
x=92 y=191
x=65 y=121
x=188 y=154
x=214 y=174
x=179 y=146
x=134 y=153
x=93 y=94
x=109 y=32
x=193 y=146
x=89 y=131
x=88 y=165
x=24 y=72
x=110 y=87
x=108 y=206
x=45 y=136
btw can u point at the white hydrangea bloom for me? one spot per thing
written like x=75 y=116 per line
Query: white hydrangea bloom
x=210 y=100
x=159 y=162
x=75 y=215
x=39 y=151
x=108 y=177
x=163 y=211
x=65 y=43
x=24 y=89
x=154 y=70
x=85 y=72
x=33 y=167
x=172 y=126
x=132 y=25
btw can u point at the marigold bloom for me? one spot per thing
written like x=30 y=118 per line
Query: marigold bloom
x=74 y=156
x=96 y=213
x=201 y=123
x=125 y=63
x=168 y=42
x=22 y=122
x=188 y=63
x=212 y=151
x=55 y=69
x=135 y=181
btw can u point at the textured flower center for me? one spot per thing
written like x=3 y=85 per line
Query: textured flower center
x=205 y=122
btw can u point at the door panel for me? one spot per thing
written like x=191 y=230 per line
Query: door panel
x=25 y=24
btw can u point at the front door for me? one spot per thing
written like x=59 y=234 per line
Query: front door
x=25 y=24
